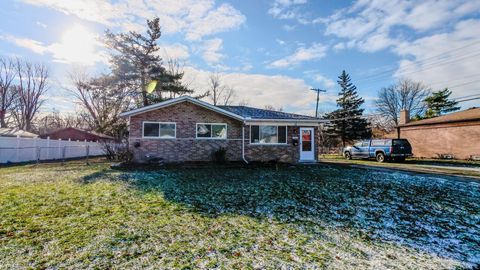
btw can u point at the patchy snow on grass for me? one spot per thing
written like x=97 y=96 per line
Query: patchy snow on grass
x=299 y=217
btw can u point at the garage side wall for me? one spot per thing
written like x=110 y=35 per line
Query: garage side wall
x=462 y=140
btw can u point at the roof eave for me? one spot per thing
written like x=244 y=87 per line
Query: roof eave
x=178 y=100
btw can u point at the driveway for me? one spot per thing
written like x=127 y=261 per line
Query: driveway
x=455 y=168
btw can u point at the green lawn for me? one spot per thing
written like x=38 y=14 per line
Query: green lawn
x=306 y=217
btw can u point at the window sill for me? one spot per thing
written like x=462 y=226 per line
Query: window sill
x=269 y=144
x=158 y=138
x=210 y=139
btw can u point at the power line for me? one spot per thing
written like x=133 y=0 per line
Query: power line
x=416 y=62
x=469 y=99
x=428 y=67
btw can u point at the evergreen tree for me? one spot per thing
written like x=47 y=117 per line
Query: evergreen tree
x=347 y=122
x=135 y=61
x=438 y=103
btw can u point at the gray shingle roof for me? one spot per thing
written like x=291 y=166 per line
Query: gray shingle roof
x=255 y=113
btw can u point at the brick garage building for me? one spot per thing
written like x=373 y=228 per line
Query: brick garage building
x=455 y=135
x=187 y=129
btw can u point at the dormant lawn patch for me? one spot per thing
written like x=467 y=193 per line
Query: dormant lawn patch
x=307 y=217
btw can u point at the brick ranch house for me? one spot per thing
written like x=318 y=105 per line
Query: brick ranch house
x=187 y=129
x=455 y=135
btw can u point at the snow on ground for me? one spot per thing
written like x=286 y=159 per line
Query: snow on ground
x=433 y=214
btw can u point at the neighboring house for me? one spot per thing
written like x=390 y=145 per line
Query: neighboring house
x=455 y=135
x=15 y=132
x=187 y=129
x=76 y=134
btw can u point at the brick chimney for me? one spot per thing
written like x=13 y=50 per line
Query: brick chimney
x=404 y=117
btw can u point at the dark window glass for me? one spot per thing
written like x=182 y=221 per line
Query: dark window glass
x=151 y=129
x=204 y=131
x=254 y=134
x=268 y=134
x=282 y=134
x=401 y=143
x=379 y=142
x=307 y=146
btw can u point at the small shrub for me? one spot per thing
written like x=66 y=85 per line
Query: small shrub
x=220 y=155
x=118 y=152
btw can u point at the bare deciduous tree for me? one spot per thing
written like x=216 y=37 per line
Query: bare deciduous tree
x=8 y=94
x=55 y=120
x=103 y=98
x=272 y=108
x=404 y=95
x=380 y=125
x=219 y=93
x=32 y=85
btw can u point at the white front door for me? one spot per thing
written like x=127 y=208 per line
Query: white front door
x=307 y=152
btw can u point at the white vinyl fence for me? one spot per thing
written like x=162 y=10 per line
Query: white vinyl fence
x=13 y=150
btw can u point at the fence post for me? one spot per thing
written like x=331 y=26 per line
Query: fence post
x=59 y=148
x=87 y=153
x=48 y=148
x=63 y=154
x=38 y=154
x=17 y=157
x=34 y=148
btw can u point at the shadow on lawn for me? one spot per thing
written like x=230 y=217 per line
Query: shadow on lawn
x=433 y=214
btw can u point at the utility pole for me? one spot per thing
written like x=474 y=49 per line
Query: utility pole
x=318 y=98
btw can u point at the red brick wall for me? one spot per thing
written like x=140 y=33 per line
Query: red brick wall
x=458 y=139
x=187 y=148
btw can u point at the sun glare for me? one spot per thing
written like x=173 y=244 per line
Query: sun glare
x=77 y=44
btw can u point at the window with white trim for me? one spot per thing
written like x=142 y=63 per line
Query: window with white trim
x=211 y=131
x=159 y=130
x=268 y=134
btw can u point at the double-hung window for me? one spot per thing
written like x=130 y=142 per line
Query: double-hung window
x=268 y=134
x=159 y=130
x=211 y=131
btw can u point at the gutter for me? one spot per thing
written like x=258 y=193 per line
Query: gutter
x=243 y=142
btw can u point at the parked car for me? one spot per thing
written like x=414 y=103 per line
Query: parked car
x=381 y=150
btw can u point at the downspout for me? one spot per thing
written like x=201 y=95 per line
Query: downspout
x=243 y=142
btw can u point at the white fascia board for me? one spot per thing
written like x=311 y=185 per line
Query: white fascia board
x=287 y=122
x=178 y=100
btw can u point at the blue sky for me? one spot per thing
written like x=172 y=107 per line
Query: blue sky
x=271 y=52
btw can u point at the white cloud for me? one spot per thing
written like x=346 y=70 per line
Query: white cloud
x=288 y=27
x=445 y=59
x=371 y=25
x=174 y=51
x=41 y=24
x=286 y=9
x=211 y=51
x=77 y=45
x=302 y=54
x=30 y=44
x=292 y=94
x=194 y=18
x=222 y=19
x=326 y=82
